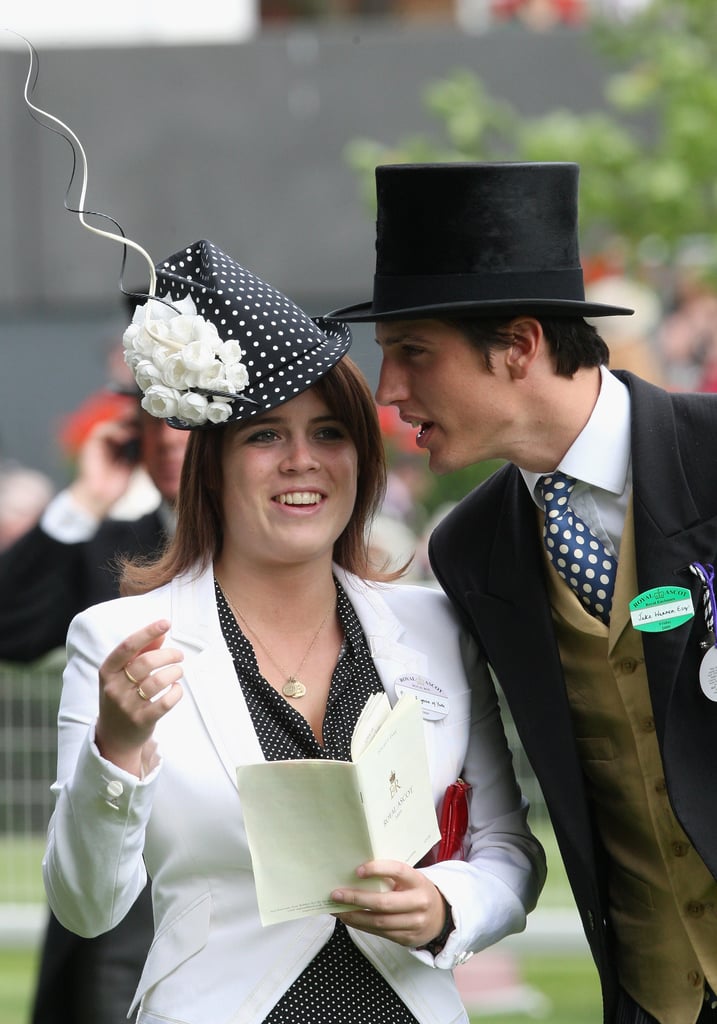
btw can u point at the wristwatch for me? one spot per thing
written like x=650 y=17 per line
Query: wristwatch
x=435 y=946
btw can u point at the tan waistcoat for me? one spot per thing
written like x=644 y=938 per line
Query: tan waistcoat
x=663 y=900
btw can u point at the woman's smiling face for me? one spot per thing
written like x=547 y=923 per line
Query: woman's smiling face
x=289 y=483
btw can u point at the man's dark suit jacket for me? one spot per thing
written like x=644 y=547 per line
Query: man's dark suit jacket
x=43 y=585
x=487 y=555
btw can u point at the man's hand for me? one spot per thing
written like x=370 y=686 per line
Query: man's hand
x=103 y=469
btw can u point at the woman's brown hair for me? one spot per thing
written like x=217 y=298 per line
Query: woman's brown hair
x=199 y=535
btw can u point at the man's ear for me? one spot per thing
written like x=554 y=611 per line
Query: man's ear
x=527 y=343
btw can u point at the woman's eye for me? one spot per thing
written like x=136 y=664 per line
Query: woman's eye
x=262 y=436
x=331 y=434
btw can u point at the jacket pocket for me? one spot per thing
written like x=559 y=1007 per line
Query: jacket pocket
x=177 y=941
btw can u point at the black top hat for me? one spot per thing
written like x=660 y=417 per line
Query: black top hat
x=476 y=239
x=237 y=349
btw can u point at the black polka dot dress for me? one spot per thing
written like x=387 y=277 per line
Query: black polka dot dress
x=339 y=986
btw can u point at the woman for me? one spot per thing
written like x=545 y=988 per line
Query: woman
x=260 y=634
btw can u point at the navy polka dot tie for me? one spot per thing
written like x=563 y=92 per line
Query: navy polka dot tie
x=579 y=557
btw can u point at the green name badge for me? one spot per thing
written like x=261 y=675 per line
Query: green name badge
x=661 y=608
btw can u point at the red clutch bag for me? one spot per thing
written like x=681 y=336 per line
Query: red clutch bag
x=454 y=820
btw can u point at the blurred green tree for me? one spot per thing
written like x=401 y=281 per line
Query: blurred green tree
x=647 y=159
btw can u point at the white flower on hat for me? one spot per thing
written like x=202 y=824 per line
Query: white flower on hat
x=160 y=401
x=237 y=375
x=181 y=364
x=194 y=408
x=212 y=378
x=218 y=412
x=174 y=373
x=146 y=374
x=198 y=355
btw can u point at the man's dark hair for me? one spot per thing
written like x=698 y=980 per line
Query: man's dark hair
x=574 y=343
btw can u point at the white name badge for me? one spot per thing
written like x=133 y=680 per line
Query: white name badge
x=434 y=703
x=708 y=674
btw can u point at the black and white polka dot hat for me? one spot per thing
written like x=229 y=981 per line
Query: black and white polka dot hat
x=224 y=345
x=213 y=343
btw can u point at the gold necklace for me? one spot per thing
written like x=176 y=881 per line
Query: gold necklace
x=293 y=687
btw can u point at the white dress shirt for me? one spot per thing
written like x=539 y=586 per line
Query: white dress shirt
x=599 y=459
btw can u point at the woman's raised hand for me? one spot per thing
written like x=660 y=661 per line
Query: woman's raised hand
x=139 y=683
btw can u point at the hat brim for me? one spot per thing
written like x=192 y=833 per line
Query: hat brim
x=305 y=371
x=364 y=312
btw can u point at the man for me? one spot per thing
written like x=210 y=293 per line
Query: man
x=57 y=569
x=64 y=564
x=479 y=304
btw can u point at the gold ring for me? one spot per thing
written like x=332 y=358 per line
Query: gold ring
x=141 y=694
x=133 y=681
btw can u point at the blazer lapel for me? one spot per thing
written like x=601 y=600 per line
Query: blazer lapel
x=382 y=630
x=520 y=613
x=669 y=533
x=209 y=673
x=672 y=530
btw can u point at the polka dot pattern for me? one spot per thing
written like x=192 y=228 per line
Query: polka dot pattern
x=339 y=986
x=579 y=557
x=285 y=351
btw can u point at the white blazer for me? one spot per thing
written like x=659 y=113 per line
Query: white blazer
x=211 y=959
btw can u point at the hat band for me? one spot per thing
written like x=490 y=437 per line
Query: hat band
x=404 y=292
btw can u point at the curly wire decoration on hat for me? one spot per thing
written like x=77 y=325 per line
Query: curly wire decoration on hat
x=183 y=347
x=54 y=124
x=159 y=334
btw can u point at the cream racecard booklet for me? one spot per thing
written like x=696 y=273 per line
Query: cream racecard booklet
x=310 y=823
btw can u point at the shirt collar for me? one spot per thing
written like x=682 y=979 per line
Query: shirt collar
x=600 y=454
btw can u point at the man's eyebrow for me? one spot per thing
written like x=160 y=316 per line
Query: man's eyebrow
x=394 y=339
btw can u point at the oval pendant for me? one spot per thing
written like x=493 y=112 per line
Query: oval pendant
x=293 y=688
